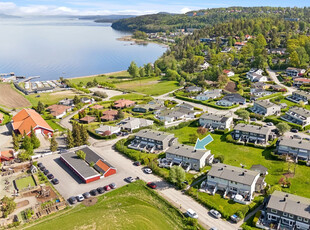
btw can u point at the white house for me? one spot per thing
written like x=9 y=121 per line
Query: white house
x=229 y=73
x=107 y=130
x=256 y=75
x=209 y=94
x=216 y=121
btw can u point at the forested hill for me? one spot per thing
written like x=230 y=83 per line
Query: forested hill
x=199 y=19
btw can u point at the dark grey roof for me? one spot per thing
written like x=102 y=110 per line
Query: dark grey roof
x=295 y=143
x=265 y=103
x=302 y=93
x=154 y=135
x=232 y=173
x=252 y=129
x=79 y=165
x=91 y=156
x=234 y=97
x=289 y=203
x=299 y=111
x=187 y=151
x=214 y=117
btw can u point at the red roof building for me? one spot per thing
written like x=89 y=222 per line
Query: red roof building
x=123 y=103
x=109 y=115
x=6 y=155
x=87 y=119
x=27 y=118
x=58 y=111
x=98 y=107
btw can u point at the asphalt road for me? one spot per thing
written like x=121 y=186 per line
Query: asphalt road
x=273 y=76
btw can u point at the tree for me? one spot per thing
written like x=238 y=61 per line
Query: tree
x=69 y=140
x=261 y=41
x=84 y=134
x=81 y=154
x=274 y=188
x=76 y=100
x=54 y=144
x=77 y=137
x=222 y=80
x=242 y=113
x=177 y=175
x=120 y=114
x=24 y=155
x=142 y=72
x=8 y=206
x=26 y=144
x=294 y=59
x=40 y=107
x=15 y=141
x=202 y=130
x=133 y=69
x=193 y=138
x=283 y=127
x=34 y=140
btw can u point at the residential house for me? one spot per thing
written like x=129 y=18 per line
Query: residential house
x=215 y=121
x=301 y=81
x=260 y=85
x=1 y=118
x=109 y=115
x=152 y=141
x=7 y=155
x=229 y=73
x=288 y=211
x=58 y=111
x=26 y=119
x=226 y=49
x=251 y=133
x=186 y=106
x=97 y=107
x=204 y=66
x=231 y=99
x=88 y=119
x=300 y=149
x=256 y=75
x=86 y=100
x=123 y=103
x=209 y=94
x=298 y=96
x=132 y=123
x=177 y=114
x=294 y=72
x=151 y=106
x=189 y=156
x=107 y=130
x=239 y=45
x=280 y=51
x=266 y=108
x=67 y=102
x=232 y=180
x=257 y=92
x=193 y=89
x=297 y=115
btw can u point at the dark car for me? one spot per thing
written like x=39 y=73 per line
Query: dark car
x=112 y=185
x=107 y=188
x=86 y=195
x=294 y=130
x=50 y=176
x=40 y=165
x=55 y=181
x=42 y=168
x=100 y=190
x=72 y=200
x=94 y=192
x=137 y=163
x=129 y=179
x=152 y=185
x=46 y=172
x=253 y=119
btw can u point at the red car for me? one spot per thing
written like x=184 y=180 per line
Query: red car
x=107 y=188
x=152 y=185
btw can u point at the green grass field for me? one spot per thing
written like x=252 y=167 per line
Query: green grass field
x=102 y=78
x=49 y=98
x=25 y=182
x=239 y=154
x=54 y=125
x=131 y=96
x=150 y=86
x=130 y=207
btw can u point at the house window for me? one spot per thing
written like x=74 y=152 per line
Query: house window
x=306 y=220
x=291 y=216
x=274 y=211
x=284 y=214
x=212 y=177
x=299 y=218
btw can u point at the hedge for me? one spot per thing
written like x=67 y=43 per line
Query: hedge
x=9 y=116
x=270 y=96
x=97 y=136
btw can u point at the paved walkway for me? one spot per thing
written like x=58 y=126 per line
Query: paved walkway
x=273 y=76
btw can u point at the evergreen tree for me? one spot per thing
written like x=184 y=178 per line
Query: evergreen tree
x=120 y=114
x=40 y=107
x=34 y=140
x=54 y=144
x=84 y=135
x=70 y=140
x=77 y=138
x=15 y=141
x=76 y=100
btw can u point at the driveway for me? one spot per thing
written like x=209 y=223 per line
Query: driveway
x=6 y=137
x=273 y=76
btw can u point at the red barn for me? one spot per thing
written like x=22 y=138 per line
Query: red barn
x=27 y=118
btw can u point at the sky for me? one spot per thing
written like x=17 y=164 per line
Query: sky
x=132 y=7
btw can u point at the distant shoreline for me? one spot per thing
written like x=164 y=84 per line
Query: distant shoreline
x=95 y=75
x=129 y=38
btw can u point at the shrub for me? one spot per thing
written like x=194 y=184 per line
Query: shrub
x=256 y=217
x=221 y=158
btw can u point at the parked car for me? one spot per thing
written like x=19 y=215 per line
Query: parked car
x=40 y=165
x=100 y=190
x=294 y=130
x=72 y=200
x=50 y=176
x=46 y=172
x=214 y=228
x=235 y=218
x=253 y=119
x=215 y=213
x=269 y=123
x=148 y=171
x=80 y=198
x=107 y=188
x=191 y=213
x=152 y=185
x=297 y=136
x=112 y=185
x=137 y=163
x=307 y=139
x=86 y=195
x=55 y=181
x=42 y=168
x=93 y=192
x=129 y=179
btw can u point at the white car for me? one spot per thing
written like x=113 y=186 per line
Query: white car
x=215 y=213
x=148 y=170
x=191 y=213
x=80 y=198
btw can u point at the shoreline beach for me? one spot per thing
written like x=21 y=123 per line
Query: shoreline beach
x=95 y=75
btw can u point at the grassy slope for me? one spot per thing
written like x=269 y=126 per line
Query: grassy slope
x=239 y=154
x=130 y=207
x=47 y=98
x=100 y=78
x=130 y=96
x=54 y=125
x=150 y=86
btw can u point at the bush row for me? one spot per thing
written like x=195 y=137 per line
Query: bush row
x=270 y=96
x=277 y=120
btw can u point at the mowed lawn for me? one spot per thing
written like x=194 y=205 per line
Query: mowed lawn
x=101 y=78
x=130 y=207
x=25 y=182
x=50 y=98
x=150 y=86
x=248 y=156
x=131 y=96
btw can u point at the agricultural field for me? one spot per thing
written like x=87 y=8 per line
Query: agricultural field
x=102 y=78
x=130 y=207
x=150 y=86
x=248 y=156
x=50 y=98
x=11 y=98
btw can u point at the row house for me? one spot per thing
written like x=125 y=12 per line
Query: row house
x=297 y=148
x=215 y=121
x=298 y=96
x=251 y=133
x=266 y=108
x=297 y=115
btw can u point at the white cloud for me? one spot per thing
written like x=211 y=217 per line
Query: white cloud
x=185 y=10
